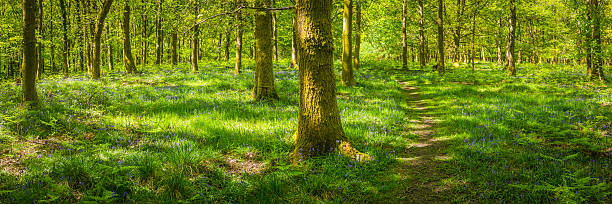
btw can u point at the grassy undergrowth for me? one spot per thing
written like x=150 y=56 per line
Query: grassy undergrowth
x=169 y=134
x=172 y=135
x=540 y=137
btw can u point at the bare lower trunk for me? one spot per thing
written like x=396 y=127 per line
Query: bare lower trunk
x=238 y=66
x=356 y=61
x=128 y=59
x=347 y=55
x=404 y=37
x=28 y=66
x=319 y=127
x=421 y=36
x=264 y=73
x=174 y=48
x=440 y=36
x=95 y=71
x=511 y=38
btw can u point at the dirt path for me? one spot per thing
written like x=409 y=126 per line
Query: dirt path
x=422 y=163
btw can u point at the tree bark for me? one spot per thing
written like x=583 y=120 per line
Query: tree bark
x=29 y=64
x=421 y=35
x=441 y=36
x=356 y=60
x=594 y=44
x=174 y=48
x=457 y=35
x=95 y=70
x=159 y=39
x=228 y=35
x=145 y=35
x=109 y=45
x=294 y=44
x=39 y=49
x=404 y=36
x=274 y=35
x=347 y=55
x=239 y=22
x=128 y=59
x=195 y=44
x=264 y=74
x=319 y=127
x=511 y=36
x=65 y=51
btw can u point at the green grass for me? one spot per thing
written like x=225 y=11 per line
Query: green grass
x=543 y=136
x=169 y=134
x=172 y=135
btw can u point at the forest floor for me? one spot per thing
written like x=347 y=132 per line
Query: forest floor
x=420 y=163
x=171 y=135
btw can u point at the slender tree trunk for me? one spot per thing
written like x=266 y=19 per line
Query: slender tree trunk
x=347 y=55
x=457 y=36
x=145 y=35
x=274 y=35
x=228 y=35
x=95 y=71
x=264 y=74
x=319 y=127
x=195 y=44
x=293 y=44
x=65 y=50
x=441 y=36
x=173 y=51
x=404 y=36
x=594 y=44
x=473 y=41
x=39 y=48
x=29 y=65
x=158 y=35
x=511 y=38
x=109 y=44
x=239 y=22
x=421 y=35
x=128 y=59
x=219 y=48
x=356 y=62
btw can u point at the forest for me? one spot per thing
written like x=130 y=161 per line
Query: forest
x=305 y=101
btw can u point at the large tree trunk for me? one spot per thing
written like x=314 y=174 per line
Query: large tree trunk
x=404 y=36
x=264 y=73
x=347 y=55
x=39 y=49
x=65 y=38
x=319 y=127
x=511 y=36
x=28 y=67
x=159 y=39
x=421 y=35
x=441 y=36
x=173 y=51
x=95 y=71
x=238 y=66
x=128 y=59
x=356 y=62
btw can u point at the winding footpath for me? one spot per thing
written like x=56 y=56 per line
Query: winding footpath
x=421 y=164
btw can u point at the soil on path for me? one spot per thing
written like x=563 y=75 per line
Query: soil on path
x=422 y=164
